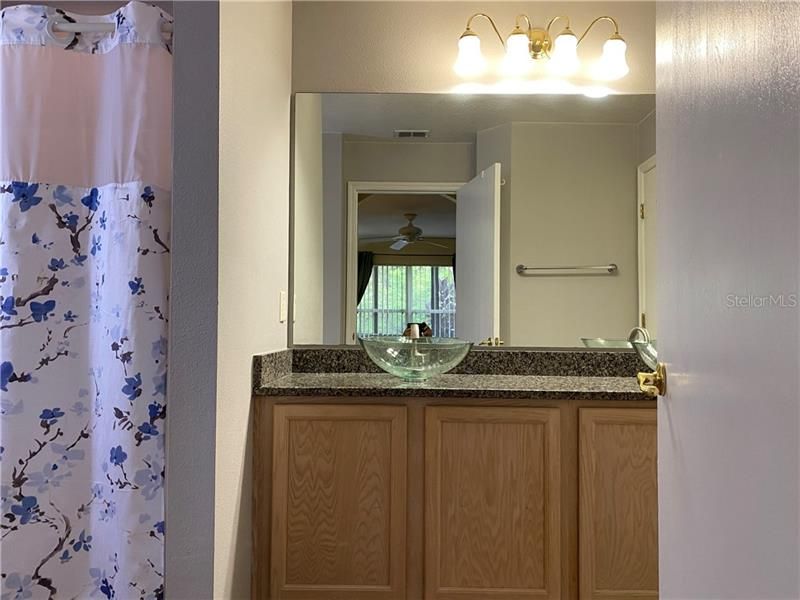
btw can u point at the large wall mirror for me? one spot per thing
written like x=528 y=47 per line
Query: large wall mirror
x=522 y=219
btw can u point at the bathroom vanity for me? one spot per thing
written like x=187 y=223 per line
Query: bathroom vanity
x=474 y=485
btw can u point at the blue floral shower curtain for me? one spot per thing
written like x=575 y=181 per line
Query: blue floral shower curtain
x=84 y=273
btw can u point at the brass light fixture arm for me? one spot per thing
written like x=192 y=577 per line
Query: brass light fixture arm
x=611 y=20
x=527 y=20
x=554 y=19
x=540 y=40
x=488 y=18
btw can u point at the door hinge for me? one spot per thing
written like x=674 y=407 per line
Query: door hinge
x=644 y=321
x=641 y=211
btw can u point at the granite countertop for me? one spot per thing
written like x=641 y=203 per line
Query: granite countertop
x=455 y=386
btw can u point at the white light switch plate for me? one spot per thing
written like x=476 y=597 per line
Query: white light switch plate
x=284 y=307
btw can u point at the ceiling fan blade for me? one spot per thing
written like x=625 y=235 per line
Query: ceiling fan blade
x=379 y=239
x=399 y=244
x=434 y=244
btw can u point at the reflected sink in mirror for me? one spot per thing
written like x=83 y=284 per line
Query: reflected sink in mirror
x=605 y=343
x=415 y=360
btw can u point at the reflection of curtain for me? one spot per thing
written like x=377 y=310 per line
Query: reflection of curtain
x=85 y=184
x=366 y=260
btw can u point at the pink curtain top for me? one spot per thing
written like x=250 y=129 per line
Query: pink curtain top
x=135 y=23
x=84 y=109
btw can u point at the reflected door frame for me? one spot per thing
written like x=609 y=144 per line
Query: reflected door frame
x=641 y=238
x=354 y=189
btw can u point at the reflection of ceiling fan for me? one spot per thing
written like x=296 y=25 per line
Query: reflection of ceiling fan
x=408 y=234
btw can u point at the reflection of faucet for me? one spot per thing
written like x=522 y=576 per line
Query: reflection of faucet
x=639 y=338
x=638 y=334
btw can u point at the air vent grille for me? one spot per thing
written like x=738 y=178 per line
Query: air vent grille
x=412 y=133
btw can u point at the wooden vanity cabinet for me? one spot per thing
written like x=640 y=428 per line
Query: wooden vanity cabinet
x=339 y=502
x=618 y=504
x=413 y=498
x=492 y=503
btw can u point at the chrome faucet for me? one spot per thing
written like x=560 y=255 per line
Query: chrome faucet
x=639 y=334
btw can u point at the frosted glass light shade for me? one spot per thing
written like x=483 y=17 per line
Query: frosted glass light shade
x=613 y=64
x=517 y=60
x=564 y=58
x=470 y=61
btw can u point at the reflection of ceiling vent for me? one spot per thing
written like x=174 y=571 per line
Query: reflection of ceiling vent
x=412 y=133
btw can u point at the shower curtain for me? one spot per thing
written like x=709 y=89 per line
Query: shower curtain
x=85 y=181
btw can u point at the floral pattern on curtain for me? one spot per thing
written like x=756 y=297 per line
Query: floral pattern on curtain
x=84 y=281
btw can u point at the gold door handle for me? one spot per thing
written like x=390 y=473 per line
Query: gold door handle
x=655 y=383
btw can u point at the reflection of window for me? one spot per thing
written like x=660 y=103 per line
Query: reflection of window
x=397 y=295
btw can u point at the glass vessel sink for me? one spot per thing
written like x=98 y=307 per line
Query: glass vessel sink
x=605 y=343
x=415 y=359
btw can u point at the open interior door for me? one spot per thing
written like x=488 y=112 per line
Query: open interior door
x=478 y=257
x=728 y=235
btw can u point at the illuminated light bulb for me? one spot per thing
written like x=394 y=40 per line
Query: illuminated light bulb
x=470 y=61
x=517 y=60
x=612 y=64
x=564 y=58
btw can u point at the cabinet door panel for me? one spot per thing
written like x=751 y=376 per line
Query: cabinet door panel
x=492 y=503
x=618 y=504
x=339 y=502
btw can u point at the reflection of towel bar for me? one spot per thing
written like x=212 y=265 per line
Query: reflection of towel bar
x=609 y=269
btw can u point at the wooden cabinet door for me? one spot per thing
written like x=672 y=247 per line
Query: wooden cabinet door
x=618 y=504
x=492 y=518
x=339 y=502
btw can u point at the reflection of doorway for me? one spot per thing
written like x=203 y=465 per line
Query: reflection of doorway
x=406 y=263
x=410 y=280
x=647 y=209
x=473 y=252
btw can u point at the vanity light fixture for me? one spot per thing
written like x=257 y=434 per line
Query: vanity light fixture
x=527 y=45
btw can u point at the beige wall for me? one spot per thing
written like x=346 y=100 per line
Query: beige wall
x=308 y=218
x=255 y=76
x=333 y=242
x=646 y=137
x=411 y=46
x=407 y=161
x=571 y=201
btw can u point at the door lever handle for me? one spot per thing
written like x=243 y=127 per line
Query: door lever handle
x=655 y=383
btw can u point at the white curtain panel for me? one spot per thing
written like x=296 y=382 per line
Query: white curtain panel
x=85 y=186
